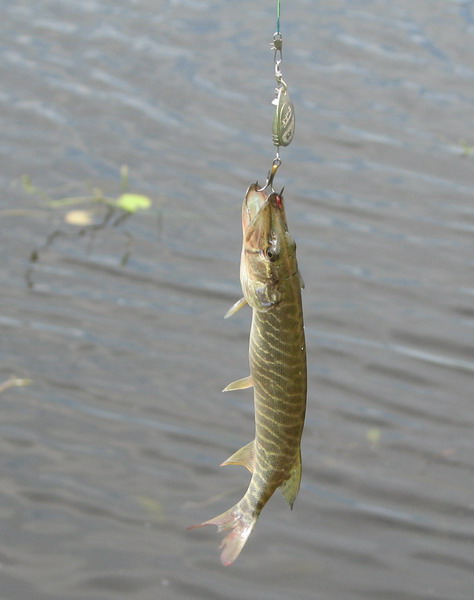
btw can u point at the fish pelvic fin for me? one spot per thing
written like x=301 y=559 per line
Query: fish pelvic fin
x=240 y=525
x=240 y=384
x=235 y=307
x=291 y=486
x=245 y=457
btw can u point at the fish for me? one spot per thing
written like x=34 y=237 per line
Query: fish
x=271 y=286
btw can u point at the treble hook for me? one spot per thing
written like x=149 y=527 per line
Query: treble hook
x=271 y=174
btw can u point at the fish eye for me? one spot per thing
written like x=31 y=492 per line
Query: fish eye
x=271 y=253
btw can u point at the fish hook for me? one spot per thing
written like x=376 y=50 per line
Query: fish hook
x=271 y=174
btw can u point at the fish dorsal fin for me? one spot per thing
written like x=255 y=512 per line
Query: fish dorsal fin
x=240 y=384
x=244 y=457
x=235 y=307
x=291 y=486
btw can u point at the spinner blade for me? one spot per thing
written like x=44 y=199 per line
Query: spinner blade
x=284 y=119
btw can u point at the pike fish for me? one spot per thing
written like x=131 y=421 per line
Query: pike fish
x=271 y=285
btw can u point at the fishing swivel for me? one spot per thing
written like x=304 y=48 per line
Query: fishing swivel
x=277 y=46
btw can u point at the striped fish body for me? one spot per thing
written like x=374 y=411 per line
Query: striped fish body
x=277 y=358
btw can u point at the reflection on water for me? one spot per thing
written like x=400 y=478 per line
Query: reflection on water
x=113 y=449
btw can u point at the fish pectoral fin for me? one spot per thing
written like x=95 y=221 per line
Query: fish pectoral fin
x=244 y=457
x=266 y=296
x=291 y=486
x=240 y=384
x=235 y=307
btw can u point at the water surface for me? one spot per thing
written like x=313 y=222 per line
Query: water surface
x=114 y=448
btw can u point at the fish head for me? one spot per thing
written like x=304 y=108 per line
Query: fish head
x=268 y=250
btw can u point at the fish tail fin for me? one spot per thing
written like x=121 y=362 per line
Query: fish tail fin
x=240 y=525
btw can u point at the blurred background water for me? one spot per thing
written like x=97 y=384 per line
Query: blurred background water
x=114 y=447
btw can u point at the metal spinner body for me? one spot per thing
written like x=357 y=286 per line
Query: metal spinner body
x=284 y=120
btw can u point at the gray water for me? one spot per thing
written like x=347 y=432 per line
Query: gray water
x=113 y=450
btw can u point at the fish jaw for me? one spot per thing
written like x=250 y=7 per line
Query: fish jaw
x=268 y=250
x=253 y=201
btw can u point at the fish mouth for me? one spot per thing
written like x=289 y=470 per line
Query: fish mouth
x=262 y=216
x=253 y=202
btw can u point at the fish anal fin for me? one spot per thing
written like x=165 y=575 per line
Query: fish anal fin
x=244 y=457
x=235 y=307
x=240 y=384
x=291 y=486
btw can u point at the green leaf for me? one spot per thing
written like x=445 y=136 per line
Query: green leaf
x=133 y=202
